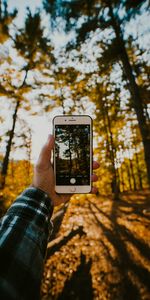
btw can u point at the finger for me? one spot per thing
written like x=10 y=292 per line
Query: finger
x=45 y=154
x=94 y=190
x=94 y=177
x=96 y=165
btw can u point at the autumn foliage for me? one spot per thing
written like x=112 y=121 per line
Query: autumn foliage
x=83 y=57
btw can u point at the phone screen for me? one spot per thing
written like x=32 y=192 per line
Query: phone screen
x=72 y=154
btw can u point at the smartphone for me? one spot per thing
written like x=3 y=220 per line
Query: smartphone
x=73 y=153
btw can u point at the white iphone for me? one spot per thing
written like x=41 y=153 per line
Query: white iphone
x=73 y=153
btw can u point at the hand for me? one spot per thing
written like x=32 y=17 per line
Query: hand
x=44 y=175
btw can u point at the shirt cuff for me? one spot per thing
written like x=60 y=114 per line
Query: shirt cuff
x=34 y=205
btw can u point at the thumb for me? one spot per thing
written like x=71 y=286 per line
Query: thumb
x=45 y=154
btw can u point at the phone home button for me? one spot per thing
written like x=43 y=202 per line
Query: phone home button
x=72 y=180
x=73 y=189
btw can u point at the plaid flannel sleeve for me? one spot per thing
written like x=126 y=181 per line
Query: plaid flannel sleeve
x=24 y=233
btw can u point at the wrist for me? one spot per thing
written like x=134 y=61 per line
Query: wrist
x=42 y=193
x=40 y=190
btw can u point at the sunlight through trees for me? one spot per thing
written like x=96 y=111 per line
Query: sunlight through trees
x=83 y=57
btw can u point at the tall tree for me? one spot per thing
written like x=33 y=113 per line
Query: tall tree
x=6 y=19
x=108 y=15
x=108 y=124
x=34 y=48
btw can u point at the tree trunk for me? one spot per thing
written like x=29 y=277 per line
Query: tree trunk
x=139 y=171
x=8 y=148
x=118 y=180
x=132 y=173
x=134 y=90
x=110 y=144
x=115 y=185
x=122 y=179
x=129 y=176
x=70 y=156
x=62 y=100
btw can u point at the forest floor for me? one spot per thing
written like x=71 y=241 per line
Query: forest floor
x=110 y=258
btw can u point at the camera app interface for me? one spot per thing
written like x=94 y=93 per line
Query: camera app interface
x=72 y=152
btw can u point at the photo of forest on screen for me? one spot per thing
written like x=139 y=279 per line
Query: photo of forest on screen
x=82 y=57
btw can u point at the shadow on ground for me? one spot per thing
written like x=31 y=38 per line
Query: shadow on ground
x=111 y=260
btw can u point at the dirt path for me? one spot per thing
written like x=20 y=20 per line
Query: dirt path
x=111 y=260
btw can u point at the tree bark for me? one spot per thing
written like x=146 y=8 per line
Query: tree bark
x=129 y=176
x=115 y=185
x=8 y=147
x=134 y=90
x=132 y=173
x=122 y=179
x=139 y=171
x=110 y=147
